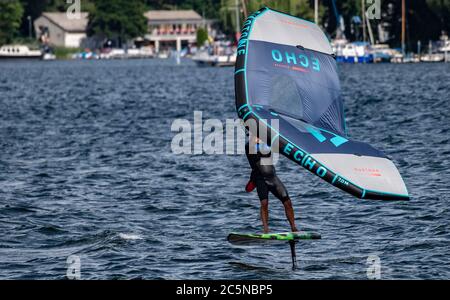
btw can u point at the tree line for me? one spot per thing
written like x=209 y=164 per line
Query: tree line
x=426 y=19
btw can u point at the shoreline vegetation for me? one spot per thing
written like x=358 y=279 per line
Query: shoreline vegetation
x=62 y=53
x=122 y=20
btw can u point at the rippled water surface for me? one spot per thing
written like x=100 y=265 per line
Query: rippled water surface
x=86 y=169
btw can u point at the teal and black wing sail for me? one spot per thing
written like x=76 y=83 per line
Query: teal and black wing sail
x=285 y=70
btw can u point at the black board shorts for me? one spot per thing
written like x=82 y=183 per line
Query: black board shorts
x=264 y=176
x=269 y=182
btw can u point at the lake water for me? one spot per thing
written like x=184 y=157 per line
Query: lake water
x=86 y=169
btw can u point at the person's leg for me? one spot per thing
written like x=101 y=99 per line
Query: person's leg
x=263 y=195
x=265 y=214
x=278 y=189
x=289 y=210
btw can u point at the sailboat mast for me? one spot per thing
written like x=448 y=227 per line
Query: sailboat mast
x=369 y=27
x=244 y=8
x=316 y=12
x=363 y=8
x=403 y=26
x=238 y=25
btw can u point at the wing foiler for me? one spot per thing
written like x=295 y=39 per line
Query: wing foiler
x=285 y=70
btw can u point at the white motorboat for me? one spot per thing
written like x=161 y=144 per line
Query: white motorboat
x=219 y=54
x=19 y=52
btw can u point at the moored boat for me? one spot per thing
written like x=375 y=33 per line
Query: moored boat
x=433 y=57
x=19 y=52
x=356 y=52
x=204 y=59
x=219 y=54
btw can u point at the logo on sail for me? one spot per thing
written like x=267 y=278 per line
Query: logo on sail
x=296 y=61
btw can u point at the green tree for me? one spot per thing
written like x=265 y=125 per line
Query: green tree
x=118 y=19
x=202 y=36
x=442 y=9
x=11 y=12
x=62 y=5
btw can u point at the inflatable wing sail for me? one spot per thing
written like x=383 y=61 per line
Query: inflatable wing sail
x=285 y=70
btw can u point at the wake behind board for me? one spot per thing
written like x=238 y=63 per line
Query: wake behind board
x=255 y=239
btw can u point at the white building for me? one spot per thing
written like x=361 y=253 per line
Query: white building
x=166 y=28
x=56 y=29
x=169 y=27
